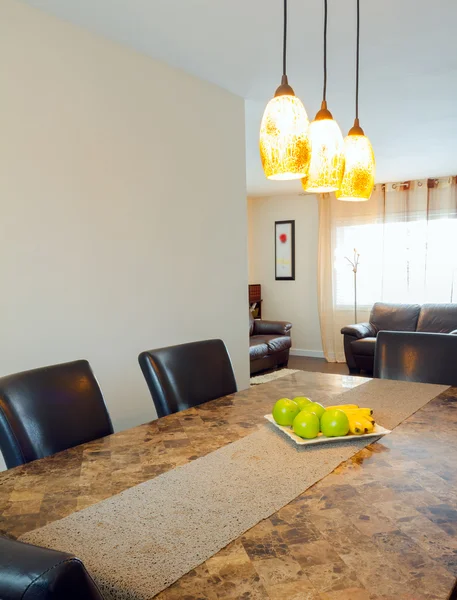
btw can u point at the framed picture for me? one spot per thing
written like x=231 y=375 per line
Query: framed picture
x=285 y=250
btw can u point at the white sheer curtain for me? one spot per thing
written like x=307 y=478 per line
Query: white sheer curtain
x=406 y=235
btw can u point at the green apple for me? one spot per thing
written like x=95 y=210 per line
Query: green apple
x=315 y=408
x=284 y=411
x=302 y=401
x=334 y=422
x=306 y=424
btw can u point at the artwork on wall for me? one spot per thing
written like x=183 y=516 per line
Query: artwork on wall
x=285 y=250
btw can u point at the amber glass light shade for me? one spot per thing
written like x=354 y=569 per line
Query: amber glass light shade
x=359 y=172
x=284 y=146
x=327 y=156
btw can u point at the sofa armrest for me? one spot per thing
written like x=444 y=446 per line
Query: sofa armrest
x=262 y=327
x=359 y=331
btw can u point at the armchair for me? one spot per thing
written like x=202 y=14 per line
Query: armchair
x=272 y=327
x=269 y=344
x=359 y=342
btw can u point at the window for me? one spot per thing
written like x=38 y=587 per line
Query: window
x=406 y=235
x=410 y=261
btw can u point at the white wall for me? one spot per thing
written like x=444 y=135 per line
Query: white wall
x=122 y=208
x=294 y=301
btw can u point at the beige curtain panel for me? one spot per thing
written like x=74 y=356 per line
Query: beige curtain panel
x=406 y=236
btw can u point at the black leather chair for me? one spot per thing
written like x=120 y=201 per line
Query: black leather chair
x=47 y=410
x=33 y=573
x=421 y=357
x=187 y=375
x=453 y=594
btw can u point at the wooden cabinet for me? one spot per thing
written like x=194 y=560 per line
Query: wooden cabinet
x=255 y=300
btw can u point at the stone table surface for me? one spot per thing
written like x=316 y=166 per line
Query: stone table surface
x=383 y=525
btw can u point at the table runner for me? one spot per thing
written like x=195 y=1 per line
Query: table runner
x=138 y=542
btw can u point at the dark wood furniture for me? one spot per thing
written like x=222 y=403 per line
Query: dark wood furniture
x=382 y=525
x=255 y=300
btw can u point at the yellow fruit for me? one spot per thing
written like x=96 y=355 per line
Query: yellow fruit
x=368 y=426
x=355 y=426
x=360 y=419
x=362 y=411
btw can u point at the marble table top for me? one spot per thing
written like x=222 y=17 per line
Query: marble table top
x=383 y=525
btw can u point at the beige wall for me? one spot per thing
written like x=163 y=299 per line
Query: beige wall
x=120 y=227
x=295 y=301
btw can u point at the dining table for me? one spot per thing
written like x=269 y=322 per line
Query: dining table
x=382 y=525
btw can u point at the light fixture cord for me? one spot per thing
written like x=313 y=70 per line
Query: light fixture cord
x=284 y=47
x=357 y=64
x=324 y=93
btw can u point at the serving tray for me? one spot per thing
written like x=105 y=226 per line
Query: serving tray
x=378 y=431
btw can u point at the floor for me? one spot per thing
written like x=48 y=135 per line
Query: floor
x=319 y=365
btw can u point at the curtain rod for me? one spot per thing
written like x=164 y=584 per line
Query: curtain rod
x=431 y=183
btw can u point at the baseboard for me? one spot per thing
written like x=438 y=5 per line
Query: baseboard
x=310 y=353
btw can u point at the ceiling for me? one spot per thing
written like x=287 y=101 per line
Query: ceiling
x=408 y=90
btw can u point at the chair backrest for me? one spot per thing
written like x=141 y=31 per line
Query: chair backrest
x=421 y=357
x=453 y=594
x=50 y=409
x=394 y=317
x=187 y=375
x=32 y=573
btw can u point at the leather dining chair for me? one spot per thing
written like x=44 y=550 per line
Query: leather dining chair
x=32 y=573
x=414 y=356
x=50 y=409
x=187 y=375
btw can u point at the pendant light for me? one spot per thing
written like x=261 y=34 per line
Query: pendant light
x=284 y=145
x=359 y=173
x=327 y=156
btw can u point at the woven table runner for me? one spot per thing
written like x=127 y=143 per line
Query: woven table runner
x=140 y=541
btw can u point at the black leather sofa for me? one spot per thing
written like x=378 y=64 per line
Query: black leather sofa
x=269 y=344
x=360 y=339
x=32 y=573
